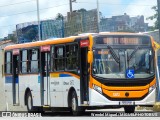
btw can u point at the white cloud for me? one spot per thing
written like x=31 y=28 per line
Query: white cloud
x=143 y=8
x=107 y=7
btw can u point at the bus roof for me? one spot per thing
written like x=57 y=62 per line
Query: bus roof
x=41 y=43
x=122 y=33
x=65 y=40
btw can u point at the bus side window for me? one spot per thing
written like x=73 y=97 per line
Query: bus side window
x=71 y=57
x=8 y=63
x=59 y=58
x=24 y=61
x=34 y=60
x=52 y=59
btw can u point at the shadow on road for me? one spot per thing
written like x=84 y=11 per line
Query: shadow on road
x=68 y=114
x=96 y=114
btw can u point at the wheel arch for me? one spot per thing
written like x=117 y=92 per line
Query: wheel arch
x=72 y=89
x=25 y=95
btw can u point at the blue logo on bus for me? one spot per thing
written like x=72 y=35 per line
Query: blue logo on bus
x=130 y=73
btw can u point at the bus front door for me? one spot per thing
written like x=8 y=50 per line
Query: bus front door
x=15 y=83
x=45 y=96
x=157 y=76
x=84 y=79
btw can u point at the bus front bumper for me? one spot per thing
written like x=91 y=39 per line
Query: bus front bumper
x=97 y=99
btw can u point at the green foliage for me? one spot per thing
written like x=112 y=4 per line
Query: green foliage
x=11 y=37
x=59 y=16
x=155 y=16
x=82 y=10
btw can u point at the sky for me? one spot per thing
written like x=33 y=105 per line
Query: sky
x=13 y=12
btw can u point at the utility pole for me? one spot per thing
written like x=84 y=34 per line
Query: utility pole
x=38 y=18
x=70 y=5
x=158 y=6
x=98 y=18
x=158 y=82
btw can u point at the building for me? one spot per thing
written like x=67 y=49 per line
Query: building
x=137 y=24
x=5 y=43
x=52 y=28
x=77 y=22
x=80 y=21
x=123 y=23
x=27 y=32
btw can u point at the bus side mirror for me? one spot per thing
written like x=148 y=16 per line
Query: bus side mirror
x=90 y=56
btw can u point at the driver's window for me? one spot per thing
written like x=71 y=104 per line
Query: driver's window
x=158 y=59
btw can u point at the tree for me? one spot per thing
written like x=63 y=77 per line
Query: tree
x=82 y=10
x=59 y=16
x=155 y=16
x=13 y=38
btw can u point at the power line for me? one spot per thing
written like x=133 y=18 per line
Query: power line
x=33 y=10
x=60 y=5
x=17 y=3
x=28 y=22
x=20 y=3
x=105 y=3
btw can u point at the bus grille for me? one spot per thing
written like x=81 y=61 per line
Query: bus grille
x=125 y=84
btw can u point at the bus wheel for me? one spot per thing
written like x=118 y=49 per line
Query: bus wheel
x=74 y=104
x=29 y=102
x=129 y=109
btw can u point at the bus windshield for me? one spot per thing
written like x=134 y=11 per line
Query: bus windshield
x=114 y=62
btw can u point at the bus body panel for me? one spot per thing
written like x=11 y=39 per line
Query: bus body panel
x=30 y=81
x=97 y=99
x=56 y=91
x=60 y=85
x=72 y=82
x=148 y=100
x=46 y=90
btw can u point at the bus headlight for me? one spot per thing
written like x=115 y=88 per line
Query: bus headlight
x=152 y=88
x=97 y=88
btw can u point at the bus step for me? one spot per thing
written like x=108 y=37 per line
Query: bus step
x=85 y=103
x=46 y=106
x=17 y=104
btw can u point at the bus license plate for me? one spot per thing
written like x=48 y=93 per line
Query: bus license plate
x=126 y=103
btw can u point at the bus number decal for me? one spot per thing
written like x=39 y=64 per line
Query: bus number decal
x=71 y=82
x=116 y=94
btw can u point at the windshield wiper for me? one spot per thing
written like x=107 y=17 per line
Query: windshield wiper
x=114 y=54
x=133 y=53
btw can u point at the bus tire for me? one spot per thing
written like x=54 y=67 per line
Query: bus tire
x=74 y=105
x=129 y=109
x=29 y=101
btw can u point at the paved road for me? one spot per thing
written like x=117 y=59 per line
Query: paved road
x=94 y=115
